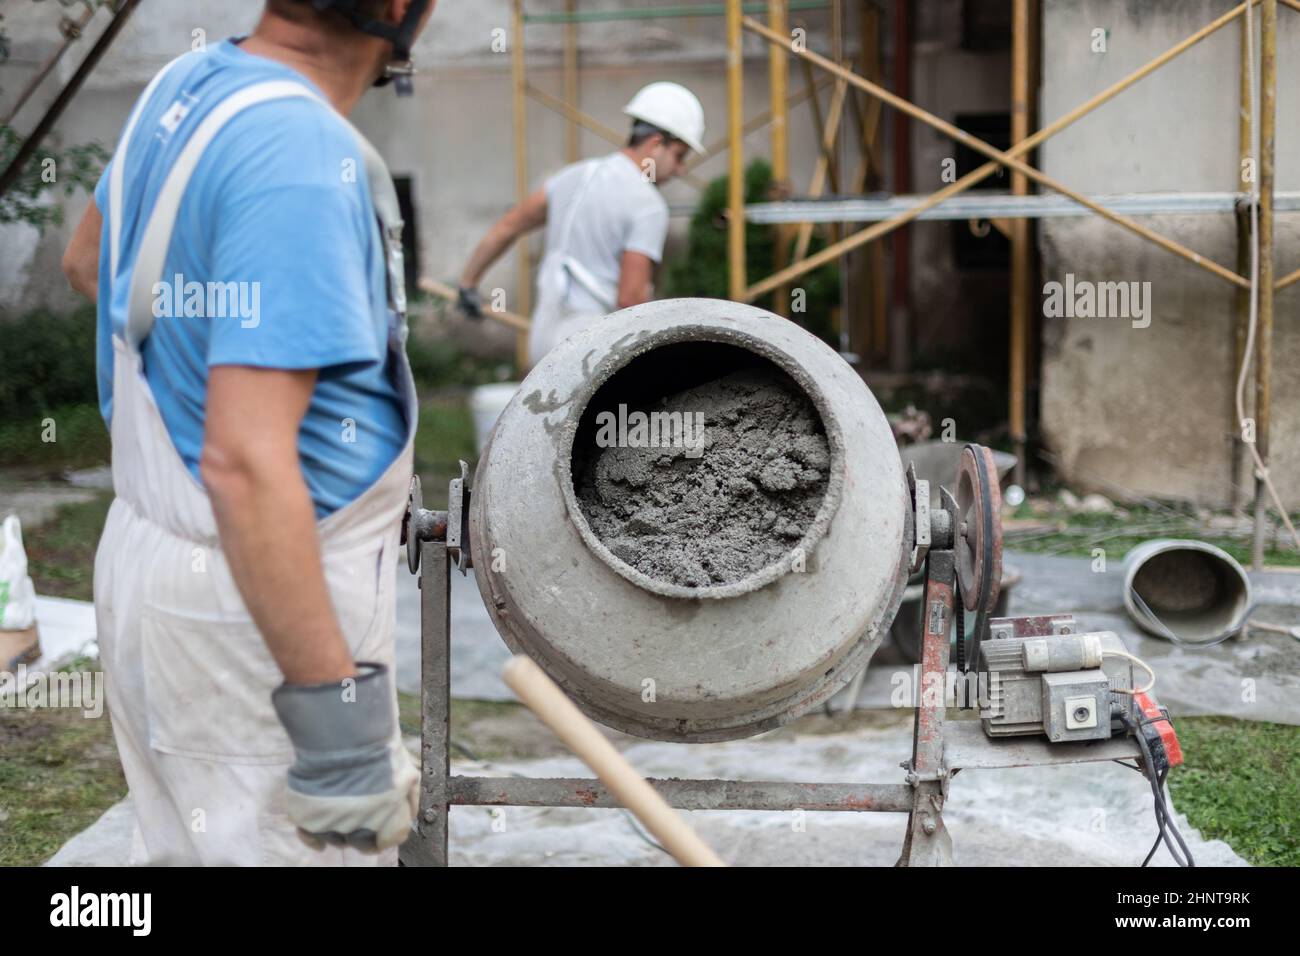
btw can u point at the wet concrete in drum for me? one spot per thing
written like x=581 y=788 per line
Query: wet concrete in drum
x=715 y=510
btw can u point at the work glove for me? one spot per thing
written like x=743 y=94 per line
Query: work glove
x=470 y=303
x=352 y=782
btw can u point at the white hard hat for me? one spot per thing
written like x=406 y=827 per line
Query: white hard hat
x=672 y=108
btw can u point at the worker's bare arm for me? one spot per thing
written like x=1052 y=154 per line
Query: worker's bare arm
x=520 y=220
x=635 y=275
x=265 y=516
x=81 y=258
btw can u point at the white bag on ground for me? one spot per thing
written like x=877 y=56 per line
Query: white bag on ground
x=17 y=595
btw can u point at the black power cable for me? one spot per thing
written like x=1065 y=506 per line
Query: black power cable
x=1156 y=772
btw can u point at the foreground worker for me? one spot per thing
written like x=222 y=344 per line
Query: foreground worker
x=253 y=373
x=606 y=222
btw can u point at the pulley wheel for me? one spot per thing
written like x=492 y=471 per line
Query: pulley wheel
x=978 y=546
x=978 y=529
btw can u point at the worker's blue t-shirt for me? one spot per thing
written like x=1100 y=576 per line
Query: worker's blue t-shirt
x=279 y=205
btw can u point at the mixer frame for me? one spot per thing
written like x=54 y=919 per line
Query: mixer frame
x=436 y=542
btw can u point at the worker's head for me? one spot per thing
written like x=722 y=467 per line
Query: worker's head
x=380 y=33
x=667 y=124
x=655 y=149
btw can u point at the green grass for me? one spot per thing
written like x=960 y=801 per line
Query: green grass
x=60 y=772
x=1241 y=784
x=61 y=552
x=445 y=436
x=1118 y=533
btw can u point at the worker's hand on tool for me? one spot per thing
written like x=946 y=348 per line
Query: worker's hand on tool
x=352 y=782
x=470 y=303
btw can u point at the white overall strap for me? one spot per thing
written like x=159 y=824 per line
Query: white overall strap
x=117 y=174
x=570 y=264
x=595 y=288
x=152 y=257
x=571 y=215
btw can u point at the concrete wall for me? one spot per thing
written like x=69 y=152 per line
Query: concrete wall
x=1149 y=409
x=454 y=137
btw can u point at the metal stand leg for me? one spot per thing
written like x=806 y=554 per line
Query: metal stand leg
x=927 y=842
x=427 y=846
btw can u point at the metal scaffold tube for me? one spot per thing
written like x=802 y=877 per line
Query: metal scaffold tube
x=668 y=12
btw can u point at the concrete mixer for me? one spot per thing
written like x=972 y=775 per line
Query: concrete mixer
x=693 y=656
x=694 y=518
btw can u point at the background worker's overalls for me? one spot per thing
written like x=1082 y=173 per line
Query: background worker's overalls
x=554 y=319
x=189 y=676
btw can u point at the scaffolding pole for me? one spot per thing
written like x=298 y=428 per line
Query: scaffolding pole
x=736 y=156
x=571 y=151
x=999 y=157
x=28 y=148
x=71 y=30
x=873 y=336
x=778 y=81
x=1021 y=253
x=1264 y=333
x=519 y=87
x=825 y=167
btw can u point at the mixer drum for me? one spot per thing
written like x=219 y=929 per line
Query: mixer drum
x=694 y=648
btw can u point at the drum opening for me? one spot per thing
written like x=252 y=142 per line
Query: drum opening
x=703 y=469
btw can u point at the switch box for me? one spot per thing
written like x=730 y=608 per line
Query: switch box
x=1076 y=705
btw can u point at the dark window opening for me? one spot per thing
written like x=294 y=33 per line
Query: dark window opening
x=985 y=25
x=410 y=240
x=990 y=252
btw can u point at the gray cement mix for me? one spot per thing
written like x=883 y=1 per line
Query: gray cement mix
x=713 y=509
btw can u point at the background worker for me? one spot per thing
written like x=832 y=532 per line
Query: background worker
x=605 y=222
x=244 y=583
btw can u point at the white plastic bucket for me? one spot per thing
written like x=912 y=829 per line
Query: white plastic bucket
x=486 y=404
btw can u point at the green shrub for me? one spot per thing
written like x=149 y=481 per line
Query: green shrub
x=48 y=361
x=80 y=438
x=702 y=271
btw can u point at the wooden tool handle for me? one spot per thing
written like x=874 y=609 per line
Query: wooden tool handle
x=559 y=713
x=441 y=289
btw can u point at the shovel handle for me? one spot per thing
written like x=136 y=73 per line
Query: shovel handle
x=554 y=709
x=444 y=291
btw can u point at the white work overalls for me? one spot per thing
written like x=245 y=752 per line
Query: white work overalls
x=554 y=319
x=189 y=677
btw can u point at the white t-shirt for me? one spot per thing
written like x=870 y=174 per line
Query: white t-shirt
x=617 y=211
